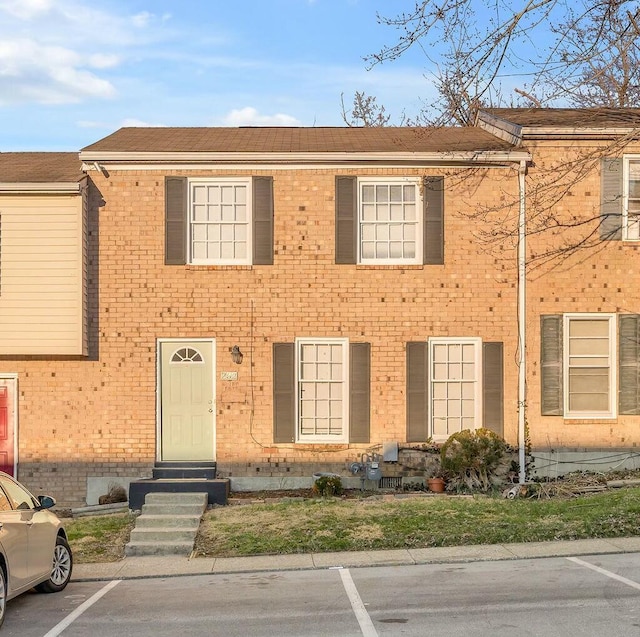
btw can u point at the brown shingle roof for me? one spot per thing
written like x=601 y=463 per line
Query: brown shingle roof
x=297 y=140
x=40 y=168
x=570 y=117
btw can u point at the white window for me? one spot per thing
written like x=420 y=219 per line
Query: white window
x=455 y=385
x=631 y=211
x=390 y=221
x=220 y=221
x=322 y=391
x=589 y=365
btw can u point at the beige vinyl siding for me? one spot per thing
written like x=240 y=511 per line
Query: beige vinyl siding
x=42 y=288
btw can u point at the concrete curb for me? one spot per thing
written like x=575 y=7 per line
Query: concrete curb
x=175 y=566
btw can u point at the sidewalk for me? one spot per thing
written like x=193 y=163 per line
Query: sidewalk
x=171 y=566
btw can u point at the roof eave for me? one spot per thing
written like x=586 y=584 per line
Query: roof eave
x=43 y=188
x=90 y=157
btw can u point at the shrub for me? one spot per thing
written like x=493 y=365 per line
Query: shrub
x=328 y=486
x=470 y=459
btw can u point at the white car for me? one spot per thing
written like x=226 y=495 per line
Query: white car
x=34 y=552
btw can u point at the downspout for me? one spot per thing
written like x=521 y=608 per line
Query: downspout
x=522 y=321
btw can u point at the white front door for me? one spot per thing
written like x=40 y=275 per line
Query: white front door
x=187 y=400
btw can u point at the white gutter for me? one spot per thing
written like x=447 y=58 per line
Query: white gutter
x=522 y=324
x=320 y=157
x=31 y=187
x=557 y=132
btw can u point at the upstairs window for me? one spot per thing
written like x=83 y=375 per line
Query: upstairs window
x=631 y=211
x=220 y=221
x=390 y=221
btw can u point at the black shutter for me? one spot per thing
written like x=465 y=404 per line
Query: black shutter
x=175 y=221
x=263 y=220
x=359 y=392
x=433 y=201
x=346 y=219
x=629 y=364
x=492 y=388
x=611 y=199
x=284 y=399
x=551 y=380
x=417 y=391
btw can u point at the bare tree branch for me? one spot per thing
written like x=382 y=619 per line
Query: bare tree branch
x=364 y=111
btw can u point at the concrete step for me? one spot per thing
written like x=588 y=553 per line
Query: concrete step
x=176 y=498
x=172 y=464
x=162 y=534
x=173 y=509
x=171 y=521
x=168 y=524
x=183 y=473
x=217 y=491
x=158 y=548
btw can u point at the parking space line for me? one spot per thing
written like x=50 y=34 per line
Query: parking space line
x=366 y=625
x=603 y=571
x=71 y=617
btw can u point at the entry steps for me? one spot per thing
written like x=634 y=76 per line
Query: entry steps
x=167 y=524
x=180 y=477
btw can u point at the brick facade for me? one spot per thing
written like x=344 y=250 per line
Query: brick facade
x=97 y=416
x=92 y=414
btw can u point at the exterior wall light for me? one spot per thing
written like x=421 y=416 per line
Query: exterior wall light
x=236 y=355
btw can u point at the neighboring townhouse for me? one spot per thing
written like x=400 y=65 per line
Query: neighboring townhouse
x=277 y=300
x=583 y=298
x=43 y=297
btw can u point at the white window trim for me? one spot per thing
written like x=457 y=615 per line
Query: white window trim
x=626 y=160
x=477 y=397
x=244 y=181
x=419 y=220
x=612 y=411
x=328 y=439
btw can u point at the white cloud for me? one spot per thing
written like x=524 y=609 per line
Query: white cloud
x=142 y=19
x=249 y=116
x=46 y=74
x=60 y=51
x=26 y=9
x=128 y=122
x=103 y=61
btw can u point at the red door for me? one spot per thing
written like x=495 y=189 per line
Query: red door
x=7 y=394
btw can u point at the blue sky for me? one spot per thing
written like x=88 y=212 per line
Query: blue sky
x=72 y=72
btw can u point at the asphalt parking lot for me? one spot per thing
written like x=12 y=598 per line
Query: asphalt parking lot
x=563 y=596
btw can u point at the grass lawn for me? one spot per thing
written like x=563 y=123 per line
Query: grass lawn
x=355 y=525
x=99 y=538
x=319 y=525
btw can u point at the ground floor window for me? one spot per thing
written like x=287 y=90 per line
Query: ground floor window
x=589 y=364
x=455 y=385
x=322 y=390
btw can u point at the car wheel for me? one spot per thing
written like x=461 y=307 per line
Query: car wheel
x=61 y=569
x=3 y=595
